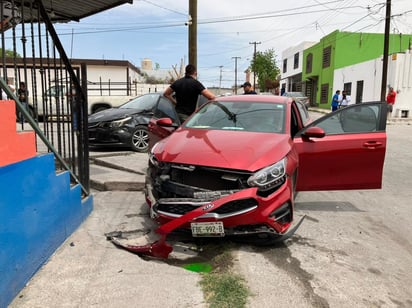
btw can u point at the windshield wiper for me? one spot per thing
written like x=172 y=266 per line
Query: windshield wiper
x=231 y=115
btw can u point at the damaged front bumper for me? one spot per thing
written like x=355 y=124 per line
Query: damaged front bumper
x=161 y=249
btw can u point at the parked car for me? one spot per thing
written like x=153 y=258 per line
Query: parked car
x=300 y=97
x=233 y=168
x=126 y=126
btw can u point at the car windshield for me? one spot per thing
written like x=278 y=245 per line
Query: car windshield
x=242 y=116
x=144 y=102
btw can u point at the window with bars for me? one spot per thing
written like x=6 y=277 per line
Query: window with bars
x=296 y=61
x=324 y=93
x=327 y=52
x=309 y=62
x=347 y=87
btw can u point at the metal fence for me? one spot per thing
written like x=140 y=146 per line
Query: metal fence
x=33 y=56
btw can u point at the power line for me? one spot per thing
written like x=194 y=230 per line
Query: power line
x=164 y=8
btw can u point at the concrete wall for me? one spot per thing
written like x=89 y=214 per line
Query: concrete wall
x=38 y=208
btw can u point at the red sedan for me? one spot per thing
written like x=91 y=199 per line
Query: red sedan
x=232 y=169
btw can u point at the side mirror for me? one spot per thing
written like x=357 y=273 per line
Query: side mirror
x=313 y=132
x=165 y=122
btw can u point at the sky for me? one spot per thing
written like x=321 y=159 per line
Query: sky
x=226 y=31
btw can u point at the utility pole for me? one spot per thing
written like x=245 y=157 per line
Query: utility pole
x=192 y=24
x=220 y=79
x=386 y=50
x=235 y=73
x=254 y=64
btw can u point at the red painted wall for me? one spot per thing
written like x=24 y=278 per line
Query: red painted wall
x=14 y=146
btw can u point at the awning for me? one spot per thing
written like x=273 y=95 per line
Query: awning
x=61 y=10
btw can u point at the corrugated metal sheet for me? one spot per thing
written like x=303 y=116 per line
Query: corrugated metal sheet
x=66 y=10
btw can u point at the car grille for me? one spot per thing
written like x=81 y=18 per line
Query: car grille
x=236 y=206
x=209 y=178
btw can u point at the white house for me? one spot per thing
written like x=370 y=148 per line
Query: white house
x=291 y=69
x=365 y=81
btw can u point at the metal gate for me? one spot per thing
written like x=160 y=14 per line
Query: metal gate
x=53 y=102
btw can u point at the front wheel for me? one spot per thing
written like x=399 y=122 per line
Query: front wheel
x=140 y=139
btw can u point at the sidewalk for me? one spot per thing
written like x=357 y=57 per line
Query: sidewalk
x=88 y=270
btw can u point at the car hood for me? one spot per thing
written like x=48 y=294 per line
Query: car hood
x=112 y=114
x=223 y=149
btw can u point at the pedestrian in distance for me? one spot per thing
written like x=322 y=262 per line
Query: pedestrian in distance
x=390 y=100
x=3 y=95
x=345 y=100
x=335 y=100
x=247 y=88
x=22 y=95
x=186 y=91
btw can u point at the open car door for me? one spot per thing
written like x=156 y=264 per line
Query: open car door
x=165 y=120
x=343 y=150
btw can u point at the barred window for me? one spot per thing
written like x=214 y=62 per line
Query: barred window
x=324 y=93
x=327 y=52
x=296 y=61
x=309 y=62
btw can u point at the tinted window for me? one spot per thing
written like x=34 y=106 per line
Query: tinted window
x=352 y=119
x=144 y=102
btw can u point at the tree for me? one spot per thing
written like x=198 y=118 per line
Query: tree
x=9 y=53
x=264 y=65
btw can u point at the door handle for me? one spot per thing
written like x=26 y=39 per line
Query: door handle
x=372 y=144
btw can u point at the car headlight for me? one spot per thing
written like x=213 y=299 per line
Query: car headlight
x=152 y=158
x=269 y=177
x=116 y=123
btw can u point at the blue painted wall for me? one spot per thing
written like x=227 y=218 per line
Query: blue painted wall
x=38 y=211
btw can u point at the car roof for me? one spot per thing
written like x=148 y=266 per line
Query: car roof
x=294 y=94
x=255 y=98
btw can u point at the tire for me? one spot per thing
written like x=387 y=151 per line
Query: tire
x=140 y=139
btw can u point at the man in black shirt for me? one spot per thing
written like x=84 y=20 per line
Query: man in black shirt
x=187 y=91
x=247 y=88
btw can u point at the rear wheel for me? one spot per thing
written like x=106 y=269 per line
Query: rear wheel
x=140 y=139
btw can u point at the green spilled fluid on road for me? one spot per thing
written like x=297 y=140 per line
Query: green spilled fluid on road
x=198 y=267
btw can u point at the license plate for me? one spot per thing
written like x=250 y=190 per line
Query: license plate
x=207 y=229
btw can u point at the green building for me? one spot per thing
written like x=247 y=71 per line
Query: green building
x=342 y=49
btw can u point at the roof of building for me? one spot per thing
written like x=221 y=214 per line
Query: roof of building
x=64 y=11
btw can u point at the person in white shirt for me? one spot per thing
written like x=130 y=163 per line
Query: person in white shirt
x=345 y=100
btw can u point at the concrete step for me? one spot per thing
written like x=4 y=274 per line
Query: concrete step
x=108 y=179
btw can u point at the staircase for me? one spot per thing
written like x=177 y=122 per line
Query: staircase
x=39 y=209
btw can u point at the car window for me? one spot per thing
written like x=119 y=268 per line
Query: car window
x=165 y=109
x=353 y=119
x=144 y=102
x=303 y=112
x=242 y=116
